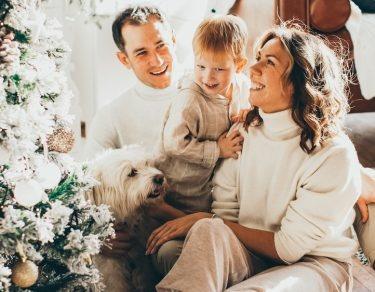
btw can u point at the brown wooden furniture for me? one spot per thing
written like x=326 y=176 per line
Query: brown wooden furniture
x=327 y=17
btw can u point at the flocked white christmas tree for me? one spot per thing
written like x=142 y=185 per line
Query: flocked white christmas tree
x=48 y=232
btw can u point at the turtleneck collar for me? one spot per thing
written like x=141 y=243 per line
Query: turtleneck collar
x=154 y=94
x=279 y=125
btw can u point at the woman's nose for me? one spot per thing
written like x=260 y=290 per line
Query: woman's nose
x=254 y=70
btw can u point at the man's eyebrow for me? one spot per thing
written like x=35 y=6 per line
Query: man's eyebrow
x=138 y=50
x=143 y=48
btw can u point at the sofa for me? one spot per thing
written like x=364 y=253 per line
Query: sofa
x=328 y=17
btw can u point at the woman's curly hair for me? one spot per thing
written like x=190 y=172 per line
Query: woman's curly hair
x=320 y=85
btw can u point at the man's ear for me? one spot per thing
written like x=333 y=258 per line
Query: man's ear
x=173 y=37
x=240 y=64
x=123 y=58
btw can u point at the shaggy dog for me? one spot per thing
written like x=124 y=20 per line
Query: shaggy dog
x=128 y=183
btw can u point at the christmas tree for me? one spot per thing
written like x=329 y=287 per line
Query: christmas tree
x=48 y=232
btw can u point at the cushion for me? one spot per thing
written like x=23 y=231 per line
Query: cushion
x=361 y=130
x=365 y=233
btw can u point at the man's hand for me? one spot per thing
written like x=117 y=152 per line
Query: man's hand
x=368 y=192
x=241 y=117
x=119 y=245
x=229 y=146
x=177 y=228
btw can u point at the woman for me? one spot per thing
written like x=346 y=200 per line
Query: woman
x=285 y=207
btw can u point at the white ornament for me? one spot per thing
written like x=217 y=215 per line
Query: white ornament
x=28 y=193
x=49 y=175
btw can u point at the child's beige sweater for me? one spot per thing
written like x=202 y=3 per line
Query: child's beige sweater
x=189 y=149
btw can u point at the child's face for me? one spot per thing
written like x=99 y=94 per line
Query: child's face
x=214 y=72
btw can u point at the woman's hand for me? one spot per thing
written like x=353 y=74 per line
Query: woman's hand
x=368 y=192
x=241 y=117
x=177 y=228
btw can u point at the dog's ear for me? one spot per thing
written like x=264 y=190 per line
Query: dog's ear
x=117 y=174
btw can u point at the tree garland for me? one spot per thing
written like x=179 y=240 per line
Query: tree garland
x=48 y=232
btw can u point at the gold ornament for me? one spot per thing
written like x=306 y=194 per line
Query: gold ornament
x=61 y=140
x=25 y=274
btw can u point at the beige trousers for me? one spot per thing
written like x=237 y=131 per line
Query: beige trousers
x=366 y=233
x=213 y=259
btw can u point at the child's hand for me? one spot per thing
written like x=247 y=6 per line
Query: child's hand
x=241 y=117
x=229 y=146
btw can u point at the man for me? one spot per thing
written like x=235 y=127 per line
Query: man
x=147 y=47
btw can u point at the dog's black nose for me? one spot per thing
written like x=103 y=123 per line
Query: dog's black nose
x=158 y=179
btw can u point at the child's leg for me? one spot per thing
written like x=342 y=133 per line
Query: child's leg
x=167 y=255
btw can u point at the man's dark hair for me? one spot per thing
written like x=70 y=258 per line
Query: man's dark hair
x=135 y=15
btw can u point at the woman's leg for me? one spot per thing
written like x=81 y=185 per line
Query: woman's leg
x=212 y=259
x=309 y=274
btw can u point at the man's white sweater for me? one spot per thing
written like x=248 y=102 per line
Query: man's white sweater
x=135 y=117
x=307 y=200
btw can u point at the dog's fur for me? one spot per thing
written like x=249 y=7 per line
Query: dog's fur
x=128 y=182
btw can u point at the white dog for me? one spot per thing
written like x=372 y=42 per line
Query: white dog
x=128 y=182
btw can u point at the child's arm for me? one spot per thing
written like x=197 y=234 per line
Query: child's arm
x=180 y=132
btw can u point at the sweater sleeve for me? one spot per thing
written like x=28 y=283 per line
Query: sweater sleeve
x=323 y=206
x=226 y=189
x=181 y=132
x=102 y=134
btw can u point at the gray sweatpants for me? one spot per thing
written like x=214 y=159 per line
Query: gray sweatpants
x=213 y=259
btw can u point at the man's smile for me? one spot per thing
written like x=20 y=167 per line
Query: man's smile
x=160 y=72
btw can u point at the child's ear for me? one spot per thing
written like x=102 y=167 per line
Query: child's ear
x=123 y=58
x=240 y=64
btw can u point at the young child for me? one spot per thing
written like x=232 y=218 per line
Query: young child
x=194 y=132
